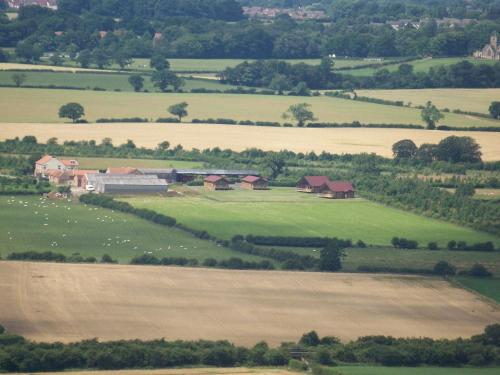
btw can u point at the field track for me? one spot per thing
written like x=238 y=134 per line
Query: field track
x=238 y=138
x=68 y=302
x=17 y=66
x=185 y=371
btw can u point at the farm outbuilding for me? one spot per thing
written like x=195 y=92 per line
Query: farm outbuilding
x=216 y=183
x=123 y=170
x=254 y=183
x=338 y=190
x=127 y=184
x=312 y=184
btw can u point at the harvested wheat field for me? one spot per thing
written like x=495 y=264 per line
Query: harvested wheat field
x=238 y=138
x=183 y=371
x=68 y=302
x=18 y=66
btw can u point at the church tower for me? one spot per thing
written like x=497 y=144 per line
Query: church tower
x=494 y=41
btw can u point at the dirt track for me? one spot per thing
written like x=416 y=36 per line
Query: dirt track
x=338 y=141
x=67 y=302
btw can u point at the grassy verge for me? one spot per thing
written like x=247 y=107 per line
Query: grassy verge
x=489 y=287
x=379 y=370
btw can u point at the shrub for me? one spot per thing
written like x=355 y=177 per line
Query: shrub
x=443 y=268
x=167 y=120
x=107 y=259
x=2 y=329
x=478 y=270
x=210 y=262
x=403 y=243
x=38 y=256
x=125 y=119
x=432 y=246
x=296 y=365
x=145 y=259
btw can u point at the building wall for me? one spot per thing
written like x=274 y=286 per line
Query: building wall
x=131 y=189
x=51 y=164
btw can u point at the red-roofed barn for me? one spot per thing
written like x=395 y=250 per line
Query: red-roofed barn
x=254 y=183
x=216 y=183
x=312 y=184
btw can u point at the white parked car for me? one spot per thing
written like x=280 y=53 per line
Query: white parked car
x=90 y=187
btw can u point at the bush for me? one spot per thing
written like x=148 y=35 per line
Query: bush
x=210 y=262
x=443 y=268
x=296 y=365
x=107 y=259
x=478 y=270
x=167 y=120
x=2 y=329
x=432 y=246
x=48 y=256
x=291 y=241
x=403 y=243
x=125 y=119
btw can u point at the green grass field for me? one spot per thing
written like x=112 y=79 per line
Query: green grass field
x=379 y=370
x=44 y=105
x=108 y=81
x=103 y=163
x=413 y=259
x=473 y=100
x=283 y=211
x=422 y=65
x=32 y=223
x=488 y=287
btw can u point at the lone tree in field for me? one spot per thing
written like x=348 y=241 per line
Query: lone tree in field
x=18 y=78
x=136 y=81
x=495 y=110
x=179 y=110
x=405 y=149
x=73 y=111
x=430 y=114
x=300 y=112
x=330 y=257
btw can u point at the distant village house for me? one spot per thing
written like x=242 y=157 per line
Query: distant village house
x=49 y=163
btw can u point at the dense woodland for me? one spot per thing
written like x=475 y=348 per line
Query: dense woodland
x=20 y=355
x=217 y=29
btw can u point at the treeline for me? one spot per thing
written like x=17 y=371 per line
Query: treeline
x=22 y=185
x=200 y=29
x=282 y=76
x=21 y=355
x=291 y=241
x=50 y=256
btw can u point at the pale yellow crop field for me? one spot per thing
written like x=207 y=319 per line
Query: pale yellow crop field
x=70 y=302
x=473 y=100
x=238 y=138
x=42 y=105
x=18 y=66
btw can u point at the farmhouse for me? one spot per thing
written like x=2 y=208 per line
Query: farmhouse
x=312 y=184
x=216 y=183
x=48 y=163
x=254 y=183
x=490 y=51
x=338 y=190
x=126 y=184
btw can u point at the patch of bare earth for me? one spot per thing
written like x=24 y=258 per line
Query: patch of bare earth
x=69 y=302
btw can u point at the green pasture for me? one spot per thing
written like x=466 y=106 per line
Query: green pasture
x=413 y=259
x=44 y=105
x=32 y=223
x=285 y=212
x=422 y=65
x=107 y=81
x=472 y=100
x=488 y=287
x=103 y=163
x=380 y=370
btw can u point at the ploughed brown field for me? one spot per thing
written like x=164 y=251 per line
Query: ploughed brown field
x=184 y=371
x=69 y=302
x=238 y=138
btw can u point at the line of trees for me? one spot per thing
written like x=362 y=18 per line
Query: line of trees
x=21 y=355
x=281 y=76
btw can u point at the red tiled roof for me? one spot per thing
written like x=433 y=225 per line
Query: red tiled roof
x=45 y=159
x=340 y=186
x=316 y=181
x=122 y=170
x=70 y=163
x=54 y=172
x=251 y=179
x=213 y=178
